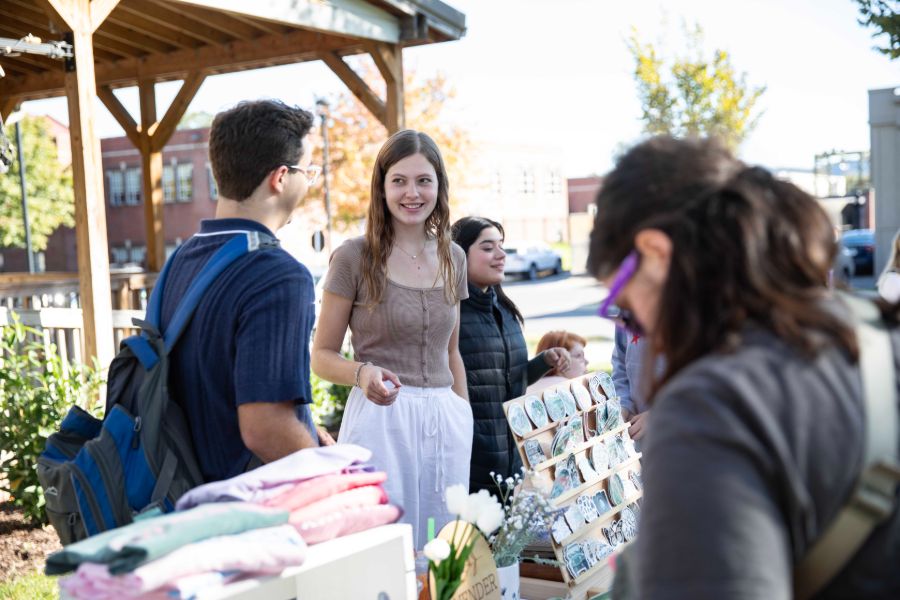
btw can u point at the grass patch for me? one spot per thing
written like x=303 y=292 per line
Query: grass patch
x=34 y=586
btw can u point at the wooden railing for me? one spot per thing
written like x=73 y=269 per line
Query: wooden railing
x=64 y=328
x=40 y=290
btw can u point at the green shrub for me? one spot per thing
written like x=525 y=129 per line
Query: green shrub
x=328 y=404
x=35 y=393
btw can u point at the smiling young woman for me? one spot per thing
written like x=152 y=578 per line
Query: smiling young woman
x=398 y=289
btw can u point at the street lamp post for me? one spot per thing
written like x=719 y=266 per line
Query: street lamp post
x=322 y=111
x=22 y=183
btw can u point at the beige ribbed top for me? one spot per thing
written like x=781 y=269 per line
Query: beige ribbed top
x=409 y=331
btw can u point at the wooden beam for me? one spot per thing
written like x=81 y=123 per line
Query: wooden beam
x=151 y=174
x=222 y=21
x=100 y=9
x=129 y=35
x=176 y=110
x=356 y=84
x=27 y=17
x=62 y=12
x=7 y=106
x=389 y=60
x=179 y=20
x=266 y=51
x=154 y=28
x=90 y=213
x=121 y=115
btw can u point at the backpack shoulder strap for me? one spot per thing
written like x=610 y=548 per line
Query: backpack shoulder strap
x=875 y=496
x=233 y=249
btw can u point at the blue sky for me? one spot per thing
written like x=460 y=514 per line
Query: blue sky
x=558 y=74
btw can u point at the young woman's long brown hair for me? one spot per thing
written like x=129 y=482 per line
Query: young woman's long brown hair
x=380 y=228
x=746 y=249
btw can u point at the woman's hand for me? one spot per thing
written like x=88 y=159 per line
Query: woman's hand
x=638 y=425
x=558 y=358
x=372 y=381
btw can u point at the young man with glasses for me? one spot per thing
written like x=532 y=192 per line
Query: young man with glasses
x=240 y=371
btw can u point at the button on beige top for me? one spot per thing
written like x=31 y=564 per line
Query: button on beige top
x=409 y=331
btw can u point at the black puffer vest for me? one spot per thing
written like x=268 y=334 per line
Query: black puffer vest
x=497 y=369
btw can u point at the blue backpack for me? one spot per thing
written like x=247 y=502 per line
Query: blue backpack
x=98 y=475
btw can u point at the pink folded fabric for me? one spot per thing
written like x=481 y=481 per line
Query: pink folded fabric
x=313 y=490
x=346 y=521
x=369 y=495
x=274 y=478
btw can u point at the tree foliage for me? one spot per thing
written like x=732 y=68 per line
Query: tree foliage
x=49 y=189
x=693 y=94
x=355 y=136
x=883 y=15
x=196 y=119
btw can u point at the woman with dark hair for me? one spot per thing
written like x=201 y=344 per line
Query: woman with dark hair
x=398 y=289
x=755 y=440
x=493 y=351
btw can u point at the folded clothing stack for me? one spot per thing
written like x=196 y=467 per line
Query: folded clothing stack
x=259 y=522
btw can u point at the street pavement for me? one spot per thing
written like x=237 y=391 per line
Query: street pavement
x=570 y=302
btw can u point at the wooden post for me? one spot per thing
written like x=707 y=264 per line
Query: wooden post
x=90 y=214
x=151 y=173
x=389 y=60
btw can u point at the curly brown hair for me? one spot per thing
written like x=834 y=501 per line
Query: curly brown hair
x=746 y=248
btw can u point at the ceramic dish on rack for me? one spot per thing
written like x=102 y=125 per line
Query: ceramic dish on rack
x=518 y=420
x=536 y=411
x=556 y=407
x=582 y=395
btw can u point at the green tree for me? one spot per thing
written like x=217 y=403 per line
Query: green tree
x=48 y=186
x=885 y=18
x=355 y=136
x=196 y=120
x=693 y=95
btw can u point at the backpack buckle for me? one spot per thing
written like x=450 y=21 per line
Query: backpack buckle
x=877 y=490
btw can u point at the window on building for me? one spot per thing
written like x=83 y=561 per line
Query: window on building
x=527 y=182
x=119 y=255
x=138 y=253
x=554 y=184
x=115 y=182
x=213 y=188
x=184 y=182
x=133 y=187
x=168 y=184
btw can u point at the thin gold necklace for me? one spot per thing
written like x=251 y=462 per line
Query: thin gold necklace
x=412 y=256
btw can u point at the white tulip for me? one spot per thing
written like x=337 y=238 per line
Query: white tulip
x=490 y=518
x=457 y=499
x=437 y=550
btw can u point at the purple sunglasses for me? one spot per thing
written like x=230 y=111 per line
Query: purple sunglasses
x=608 y=308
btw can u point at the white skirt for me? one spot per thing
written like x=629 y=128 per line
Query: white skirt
x=423 y=441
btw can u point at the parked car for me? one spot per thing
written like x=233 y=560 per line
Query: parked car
x=844 y=268
x=530 y=258
x=861 y=244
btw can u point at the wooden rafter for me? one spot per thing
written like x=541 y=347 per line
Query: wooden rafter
x=128 y=35
x=176 y=110
x=162 y=32
x=356 y=85
x=100 y=10
x=21 y=23
x=177 y=21
x=266 y=51
x=7 y=106
x=235 y=28
x=120 y=114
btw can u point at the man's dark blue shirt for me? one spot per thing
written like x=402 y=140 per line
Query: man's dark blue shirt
x=247 y=342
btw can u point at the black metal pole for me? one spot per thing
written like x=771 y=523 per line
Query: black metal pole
x=21 y=156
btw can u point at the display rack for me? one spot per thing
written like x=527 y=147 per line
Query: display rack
x=583 y=548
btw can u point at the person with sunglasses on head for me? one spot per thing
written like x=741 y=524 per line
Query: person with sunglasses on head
x=240 y=370
x=398 y=289
x=756 y=436
x=494 y=352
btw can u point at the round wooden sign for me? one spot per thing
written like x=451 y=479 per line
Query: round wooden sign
x=479 y=578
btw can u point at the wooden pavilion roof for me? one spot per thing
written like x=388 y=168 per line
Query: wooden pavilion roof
x=164 y=40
